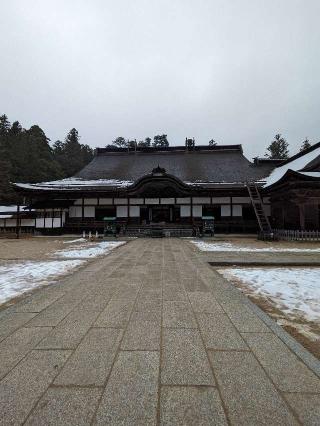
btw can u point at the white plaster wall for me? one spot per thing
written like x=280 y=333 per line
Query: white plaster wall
x=152 y=200
x=27 y=222
x=243 y=200
x=40 y=222
x=185 y=211
x=236 y=210
x=134 y=211
x=220 y=200
x=105 y=201
x=120 y=201
x=122 y=211
x=201 y=200
x=183 y=200
x=90 y=201
x=136 y=200
x=89 y=211
x=226 y=210
x=197 y=211
x=166 y=200
x=75 y=211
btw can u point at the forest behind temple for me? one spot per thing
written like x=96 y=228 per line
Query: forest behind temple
x=26 y=155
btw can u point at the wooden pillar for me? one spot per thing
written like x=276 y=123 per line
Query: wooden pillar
x=302 y=216
x=18 y=221
x=82 y=209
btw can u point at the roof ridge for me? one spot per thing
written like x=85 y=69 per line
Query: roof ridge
x=177 y=148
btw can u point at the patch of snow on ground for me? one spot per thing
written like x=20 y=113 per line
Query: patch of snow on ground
x=17 y=278
x=78 y=240
x=220 y=246
x=296 y=291
x=89 y=250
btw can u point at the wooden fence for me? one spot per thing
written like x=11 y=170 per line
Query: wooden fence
x=296 y=235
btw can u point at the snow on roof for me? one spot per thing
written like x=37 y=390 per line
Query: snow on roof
x=311 y=174
x=73 y=183
x=296 y=164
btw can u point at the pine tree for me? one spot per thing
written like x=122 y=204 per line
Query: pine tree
x=71 y=155
x=6 y=191
x=120 y=142
x=160 y=141
x=278 y=149
x=305 y=145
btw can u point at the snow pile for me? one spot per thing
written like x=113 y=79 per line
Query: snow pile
x=295 y=291
x=219 y=246
x=78 y=240
x=89 y=250
x=17 y=278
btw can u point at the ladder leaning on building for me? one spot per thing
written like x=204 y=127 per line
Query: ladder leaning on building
x=258 y=206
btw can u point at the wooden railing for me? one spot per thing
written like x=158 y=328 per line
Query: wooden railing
x=296 y=235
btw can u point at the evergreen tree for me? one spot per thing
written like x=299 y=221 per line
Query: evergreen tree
x=6 y=191
x=120 y=142
x=26 y=156
x=160 y=141
x=4 y=125
x=278 y=149
x=71 y=155
x=305 y=145
x=145 y=144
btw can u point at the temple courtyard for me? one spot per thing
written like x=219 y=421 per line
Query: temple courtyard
x=158 y=331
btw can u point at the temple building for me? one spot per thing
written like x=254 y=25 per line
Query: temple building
x=175 y=189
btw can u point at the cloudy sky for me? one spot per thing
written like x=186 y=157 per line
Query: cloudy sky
x=237 y=71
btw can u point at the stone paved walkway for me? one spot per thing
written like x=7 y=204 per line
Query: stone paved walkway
x=149 y=334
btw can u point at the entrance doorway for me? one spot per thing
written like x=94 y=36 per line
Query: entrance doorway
x=161 y=214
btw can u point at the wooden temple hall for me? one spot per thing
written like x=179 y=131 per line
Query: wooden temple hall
x=175 y=190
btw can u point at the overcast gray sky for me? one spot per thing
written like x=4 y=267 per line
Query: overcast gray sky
x=237 y=71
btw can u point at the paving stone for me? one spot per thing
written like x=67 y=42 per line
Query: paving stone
x=148 y=306
x=283 y=366
x=40 y=300
x=243 y=318
x=193 y=284
x=25 y=384
x=65 y=406
x=191 y=406
x=91 y=362
x=306 y=406
x=17 y=345
x=174 y=293
x=51 y=316
x=178 y=315
x=126 y=292
x=12 y=321
x=131 y=395
x=149 y=295
x=204 y=302
x=116 y=314
x=143 y=332
x=68 y=334
x=95 y=302
x=249 y=396
x=219 y=333
x=184 y=359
